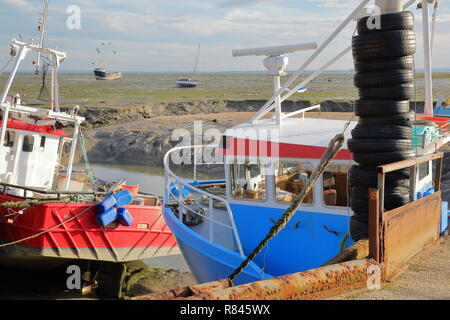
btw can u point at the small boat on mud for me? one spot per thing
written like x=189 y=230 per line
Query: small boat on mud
x=269 y=161
x=51 y=214
x=102 y=74
x=190 y=82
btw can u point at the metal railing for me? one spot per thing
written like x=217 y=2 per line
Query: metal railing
x=170 y=178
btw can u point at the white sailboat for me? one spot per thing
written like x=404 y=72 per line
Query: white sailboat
x=189 y=82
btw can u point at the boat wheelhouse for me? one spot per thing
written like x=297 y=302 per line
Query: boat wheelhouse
x=267 y=162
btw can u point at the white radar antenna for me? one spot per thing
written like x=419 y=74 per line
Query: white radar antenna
x=276 y=63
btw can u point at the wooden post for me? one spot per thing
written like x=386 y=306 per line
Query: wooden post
x=438 y=176
x=412 y=182
x=381 y=187
x=374 y=224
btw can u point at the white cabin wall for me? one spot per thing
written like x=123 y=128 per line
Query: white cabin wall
x=31 y=169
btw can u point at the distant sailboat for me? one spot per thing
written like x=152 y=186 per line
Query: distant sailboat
x=190 y=82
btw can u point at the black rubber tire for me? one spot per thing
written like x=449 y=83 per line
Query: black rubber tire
x=404 y=91
x=362 y=192
x=361 y=216
x=390 y=203
x=382 y=132
x=396 y=63
x=384 y=45
x=383 y=78
x=379 y=108
x=404 y=173
x=378 y=145
x=403 y=20
x=358 y=230
x=368 y=178
x=401 y=119
x=382 y=158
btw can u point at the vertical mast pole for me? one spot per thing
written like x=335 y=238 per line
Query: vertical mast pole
x=276 y=88
x=72 y=154
x=196 y=60
x=42 y=27
x=427 y=59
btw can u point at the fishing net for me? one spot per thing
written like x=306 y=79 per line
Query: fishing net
x=44 y=93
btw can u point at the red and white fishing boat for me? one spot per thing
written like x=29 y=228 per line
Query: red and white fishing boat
x=48 y=210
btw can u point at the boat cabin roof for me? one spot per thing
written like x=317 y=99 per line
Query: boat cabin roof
x=295 y=138
x=42 y=129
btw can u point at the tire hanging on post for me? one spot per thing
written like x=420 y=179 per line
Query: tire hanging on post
x=384 y=66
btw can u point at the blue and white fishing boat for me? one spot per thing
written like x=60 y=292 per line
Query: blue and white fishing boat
x=267 y=161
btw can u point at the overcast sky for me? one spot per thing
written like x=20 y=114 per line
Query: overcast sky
x=163 y=35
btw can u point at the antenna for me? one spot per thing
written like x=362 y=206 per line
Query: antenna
x=41 y=28
x=276 y=62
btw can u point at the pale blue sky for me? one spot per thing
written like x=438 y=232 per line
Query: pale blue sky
x=157 y=35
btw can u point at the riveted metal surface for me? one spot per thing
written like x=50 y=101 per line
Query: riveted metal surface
x=408 y=230
x=308 y=285
x=318 y=283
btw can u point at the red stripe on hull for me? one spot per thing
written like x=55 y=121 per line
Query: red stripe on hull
x=83 y=231
x=256 y=148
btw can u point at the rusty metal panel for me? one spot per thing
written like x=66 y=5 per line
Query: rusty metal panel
x=318 y=283
x=408 y=230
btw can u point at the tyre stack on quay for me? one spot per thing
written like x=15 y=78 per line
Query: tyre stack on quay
x=384 y=65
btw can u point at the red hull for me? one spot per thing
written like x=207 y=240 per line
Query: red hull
x=82 y=238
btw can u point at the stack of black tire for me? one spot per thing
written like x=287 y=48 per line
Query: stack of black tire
x=384 y=65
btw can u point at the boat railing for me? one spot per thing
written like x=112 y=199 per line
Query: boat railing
x=175 y=186
x=442 y=126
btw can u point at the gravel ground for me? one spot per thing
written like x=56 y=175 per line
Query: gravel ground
x=427 y=278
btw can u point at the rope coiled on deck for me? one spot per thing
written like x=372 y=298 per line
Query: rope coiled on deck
x=334 y=147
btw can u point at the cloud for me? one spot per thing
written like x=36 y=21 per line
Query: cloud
x=21 y=4
x=241 y=3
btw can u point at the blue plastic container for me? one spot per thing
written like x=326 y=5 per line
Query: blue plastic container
x=107 y=217
x=124 y=217
x=123 y=198
x=106 y=204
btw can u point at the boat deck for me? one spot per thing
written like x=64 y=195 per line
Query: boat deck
x=221 y=235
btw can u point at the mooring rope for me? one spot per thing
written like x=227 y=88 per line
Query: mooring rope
x=334 y=147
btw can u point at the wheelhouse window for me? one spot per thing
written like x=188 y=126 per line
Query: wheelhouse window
x=424 y=169
x=335 y=186
x=9 y=139
x=28 y=142
x=42 y=144
x=248 y=181
x=290 y=179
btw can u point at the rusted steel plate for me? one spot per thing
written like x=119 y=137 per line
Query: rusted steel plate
x=318 y=283
x=408 y=230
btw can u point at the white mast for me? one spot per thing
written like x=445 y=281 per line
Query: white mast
x=427 y=58
x=41 y=28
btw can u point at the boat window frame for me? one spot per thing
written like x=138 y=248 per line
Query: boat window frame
x=274 y=181
x=9 y=143
x=422 y=178
x=231 y=179
x=26 y=145
x=42 y=143
x=349 y=190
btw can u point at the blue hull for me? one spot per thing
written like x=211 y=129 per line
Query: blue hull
x=208 y=261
